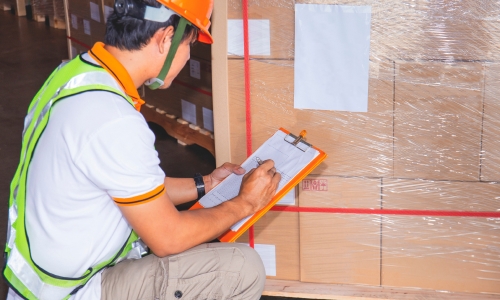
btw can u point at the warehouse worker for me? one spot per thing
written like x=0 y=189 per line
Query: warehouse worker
x=89 y=185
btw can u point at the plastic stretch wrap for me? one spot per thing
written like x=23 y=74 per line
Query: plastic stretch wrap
x=51 y=8
x=59 y=9
x=43 y=7
x=87 y=22
x=427 y=149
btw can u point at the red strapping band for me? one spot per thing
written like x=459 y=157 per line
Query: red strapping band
x=247 y=78
x=194 y=88
x=403 y=212
x=78 y=42
x=246 y=47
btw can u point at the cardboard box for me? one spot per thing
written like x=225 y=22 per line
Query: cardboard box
x=340 y=248
x=97 y=21
x=43 y=7
x=86 y=21
x=98 y=31
x=281 y=18
x=357 y=144
x=80 y=29
x=171 y=100
x=80 y=8
x=437 y=120
x=197 y=73
x=490 y=152
x=423 y=30
x=457 y=254
x=201 y=51
x=281 y=230
x=76 y=49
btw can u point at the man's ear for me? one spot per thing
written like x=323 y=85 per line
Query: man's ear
x=163 y=38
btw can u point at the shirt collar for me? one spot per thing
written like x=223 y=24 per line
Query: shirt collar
x=118 y=71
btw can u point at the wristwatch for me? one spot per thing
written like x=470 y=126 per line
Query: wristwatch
x=200 y=185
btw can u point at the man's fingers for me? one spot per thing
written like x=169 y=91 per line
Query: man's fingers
x=272 y=171
x=249 y=173
x=233 y=168
x=267 y=165
x=276 y=179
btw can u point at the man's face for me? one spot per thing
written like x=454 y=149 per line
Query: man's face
x=181 y=57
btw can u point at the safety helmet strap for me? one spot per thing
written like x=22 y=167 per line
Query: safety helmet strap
x=155 y=83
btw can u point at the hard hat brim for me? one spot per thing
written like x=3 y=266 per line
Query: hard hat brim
x=205 y=38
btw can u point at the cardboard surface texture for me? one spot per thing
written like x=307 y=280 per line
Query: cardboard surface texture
x=490 y=159
x=455 y=254
x=358 y=144
x=437 y=124
x=197 y=73
x=424 y=30
x=340 y=248
x=170 y=100
x=282 y=230
x=84 y=15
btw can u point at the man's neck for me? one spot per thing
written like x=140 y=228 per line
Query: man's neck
x=135 y=62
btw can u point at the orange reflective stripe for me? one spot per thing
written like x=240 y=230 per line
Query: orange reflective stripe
x=118 y=71
x=141 y=199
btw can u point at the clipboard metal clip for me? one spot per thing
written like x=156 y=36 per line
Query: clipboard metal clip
x=298 y=141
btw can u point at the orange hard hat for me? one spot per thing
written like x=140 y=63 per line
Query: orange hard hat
x=198 y=12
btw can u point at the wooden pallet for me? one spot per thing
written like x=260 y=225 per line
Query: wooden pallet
x=39 y=18
x=57 y=23
x=54 y=22
x=295 y=289
x=178 y=128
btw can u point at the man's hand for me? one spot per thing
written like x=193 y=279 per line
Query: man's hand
x=259 y=187
x=220 y=174
x=168 y=231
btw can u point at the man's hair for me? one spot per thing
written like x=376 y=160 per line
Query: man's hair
x=128 y=33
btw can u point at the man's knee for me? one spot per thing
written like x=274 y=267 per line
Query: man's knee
x=253 y=274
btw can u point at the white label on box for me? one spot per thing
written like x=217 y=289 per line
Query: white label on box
x=194 y=69
x=259 y=37
x=208 y=119
x=94 y=12
x=332 y=50
x=268 y=255
x=188 y=111
x=107 y=11
x=86 y=26
x=73 y=52
x=74 y=21
x=288 y=199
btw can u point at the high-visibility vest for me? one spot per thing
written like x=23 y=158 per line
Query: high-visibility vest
x=24 y=276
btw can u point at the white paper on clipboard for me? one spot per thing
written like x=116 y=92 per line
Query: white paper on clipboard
x=289 y=160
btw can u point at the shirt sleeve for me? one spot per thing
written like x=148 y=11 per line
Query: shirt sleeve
x=120 y=159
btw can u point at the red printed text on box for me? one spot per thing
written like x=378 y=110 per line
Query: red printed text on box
x=318 y=185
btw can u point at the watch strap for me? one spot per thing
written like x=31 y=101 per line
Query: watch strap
x=200 y=185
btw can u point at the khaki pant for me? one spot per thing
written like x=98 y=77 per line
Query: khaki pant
x=208 y=271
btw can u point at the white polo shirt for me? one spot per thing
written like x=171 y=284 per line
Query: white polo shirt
x=96 y=153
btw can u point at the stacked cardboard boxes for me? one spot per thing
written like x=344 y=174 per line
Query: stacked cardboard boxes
x=86 y=24
x=428 y=142
x=51 y=10
x=190 y=95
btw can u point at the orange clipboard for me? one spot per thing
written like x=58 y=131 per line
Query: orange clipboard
x=298 y=141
